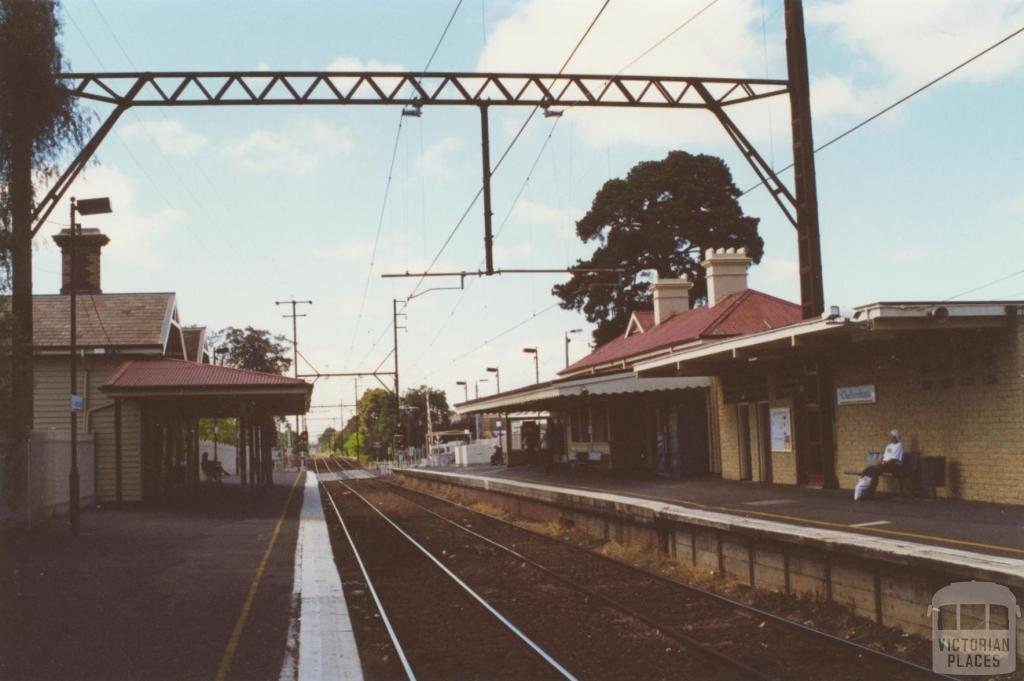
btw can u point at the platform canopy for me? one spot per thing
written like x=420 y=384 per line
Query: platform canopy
x=561 y=393
x=208 y=390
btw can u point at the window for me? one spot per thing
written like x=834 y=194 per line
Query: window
x=579 y=425
x=599 y=423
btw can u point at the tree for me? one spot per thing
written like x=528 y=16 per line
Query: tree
x=415 y=413
x=254 y=349
x=327 y=440
x=661 y=218
x=377 y=413
x=227 y=430
x=39 y=119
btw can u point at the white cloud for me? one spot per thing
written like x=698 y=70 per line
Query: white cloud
x=297 y=149
x=169 y=135
x=440 y=157
x=133 y=231
x=912 y=41
x=541 y=213
x=539 y=35
x=354 y=64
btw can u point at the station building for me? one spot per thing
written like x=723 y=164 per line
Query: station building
x=604 y=415
x=146 y=379
x=745 y=388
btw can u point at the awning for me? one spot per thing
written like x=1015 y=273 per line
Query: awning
x=546 y=395
x=867 y=323
x=208 y=389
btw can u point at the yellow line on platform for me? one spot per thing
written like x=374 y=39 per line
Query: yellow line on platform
x=812 y=521
x=243 y=617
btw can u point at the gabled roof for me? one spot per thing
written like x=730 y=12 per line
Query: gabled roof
x=167 y=373
x=739 y=313
x=195 y=342
x=640 y=321
x=105 y=320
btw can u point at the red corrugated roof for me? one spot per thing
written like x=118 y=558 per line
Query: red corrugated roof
x=737 y=314
x=645 y=318
x=175 y=373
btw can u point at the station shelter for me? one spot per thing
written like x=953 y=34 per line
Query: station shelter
x=145 y=380
x=806 y=403
x=602 y=414
x=169 y=396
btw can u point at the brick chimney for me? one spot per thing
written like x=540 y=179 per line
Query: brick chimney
x=671 y=297
x=88 y=243
x=726 y=271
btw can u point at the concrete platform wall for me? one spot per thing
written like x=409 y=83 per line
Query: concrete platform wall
x=888 y=581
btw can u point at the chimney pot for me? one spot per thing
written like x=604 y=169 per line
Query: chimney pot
x=726 y=271
x=88 y=244
x=671 y=297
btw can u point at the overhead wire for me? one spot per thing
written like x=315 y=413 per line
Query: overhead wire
x=387 y=190
x=519 y=194
x=668 y=35
x=900 y=101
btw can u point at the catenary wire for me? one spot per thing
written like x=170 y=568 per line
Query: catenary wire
x=901 y=100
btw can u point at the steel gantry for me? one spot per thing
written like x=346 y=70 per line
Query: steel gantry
x=124 y=90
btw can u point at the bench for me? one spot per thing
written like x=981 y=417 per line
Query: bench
x=585 y=460
x=926 y=471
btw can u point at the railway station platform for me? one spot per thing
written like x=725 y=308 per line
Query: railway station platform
x=201 y=589
x=802 y=542
x=995 y=529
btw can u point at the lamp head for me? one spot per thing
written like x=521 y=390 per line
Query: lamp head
x=97 y=206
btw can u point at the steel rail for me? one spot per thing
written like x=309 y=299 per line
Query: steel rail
x=369 y=583
x=744 y=607
x=685 y=640
x=465 y=587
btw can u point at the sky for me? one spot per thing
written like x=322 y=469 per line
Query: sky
x=237 y=208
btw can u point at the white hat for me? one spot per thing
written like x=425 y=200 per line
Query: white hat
x=895 y=433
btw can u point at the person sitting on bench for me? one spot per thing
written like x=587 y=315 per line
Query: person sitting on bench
x=891 y=461
x=213 y=470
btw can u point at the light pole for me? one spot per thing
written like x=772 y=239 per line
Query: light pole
x=536 y=363
x=465 y=390
x=497 y=377
x=476 y=419
x=567 y=344
x=84 y=207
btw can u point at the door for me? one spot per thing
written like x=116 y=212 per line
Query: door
x=743 y=437
x=764 y=441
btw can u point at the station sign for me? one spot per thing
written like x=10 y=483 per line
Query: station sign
x=856 y=394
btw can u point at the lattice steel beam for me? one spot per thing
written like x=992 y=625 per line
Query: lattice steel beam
x=217 y=88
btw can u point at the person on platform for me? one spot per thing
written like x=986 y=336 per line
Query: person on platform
x=892 y=459
x=213 y=470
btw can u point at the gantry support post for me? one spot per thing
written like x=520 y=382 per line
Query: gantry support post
x=485 y=147
x=812 y=295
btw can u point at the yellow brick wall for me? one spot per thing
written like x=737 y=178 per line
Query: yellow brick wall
x=784 y=463
x=727 y=441
x=51 y=403
x=973 y=412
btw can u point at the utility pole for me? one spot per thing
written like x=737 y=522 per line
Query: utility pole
x=398 y=396
x=359 y=416
x=295 y=340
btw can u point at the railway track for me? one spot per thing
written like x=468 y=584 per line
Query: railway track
x=732 y=639
x=495 y=615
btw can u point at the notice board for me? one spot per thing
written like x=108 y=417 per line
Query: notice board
x=781 y=429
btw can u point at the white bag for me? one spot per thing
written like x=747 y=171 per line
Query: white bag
x=863 y=488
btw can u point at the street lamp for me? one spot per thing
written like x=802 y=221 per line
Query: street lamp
x=476 y=387
x=567 y=344
x=497 y=376
x=96 y=206
x=536 y=363
x=465 y=390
